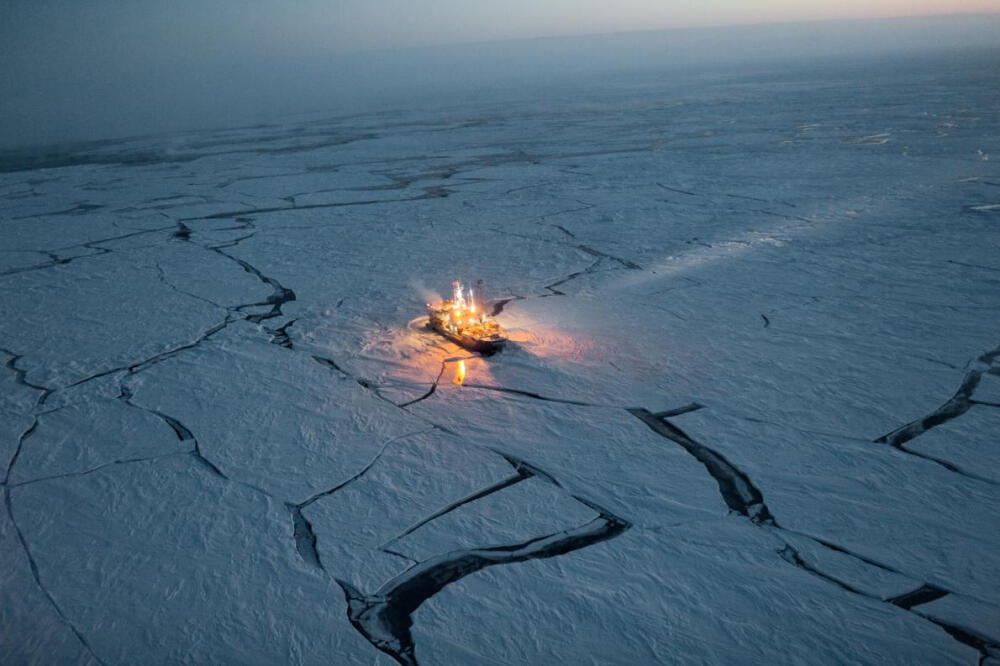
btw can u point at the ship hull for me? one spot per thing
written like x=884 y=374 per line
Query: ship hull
x=484 y=346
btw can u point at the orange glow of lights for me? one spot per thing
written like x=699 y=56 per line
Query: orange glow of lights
x=464 y=320
x=459 y=373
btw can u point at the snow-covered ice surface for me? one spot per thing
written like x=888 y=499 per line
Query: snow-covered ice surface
x=749 y=413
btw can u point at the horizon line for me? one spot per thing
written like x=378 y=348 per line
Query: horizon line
x=686 y=28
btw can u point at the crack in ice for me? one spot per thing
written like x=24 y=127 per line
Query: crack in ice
x=741 y=496
x=955 y=407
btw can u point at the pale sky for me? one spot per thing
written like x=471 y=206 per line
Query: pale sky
x=296 y=27
x=97 y=68
x=364 y=24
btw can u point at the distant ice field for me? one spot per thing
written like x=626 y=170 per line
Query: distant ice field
x=749 y=411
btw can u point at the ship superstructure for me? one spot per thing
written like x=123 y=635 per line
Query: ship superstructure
x=463 y=320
